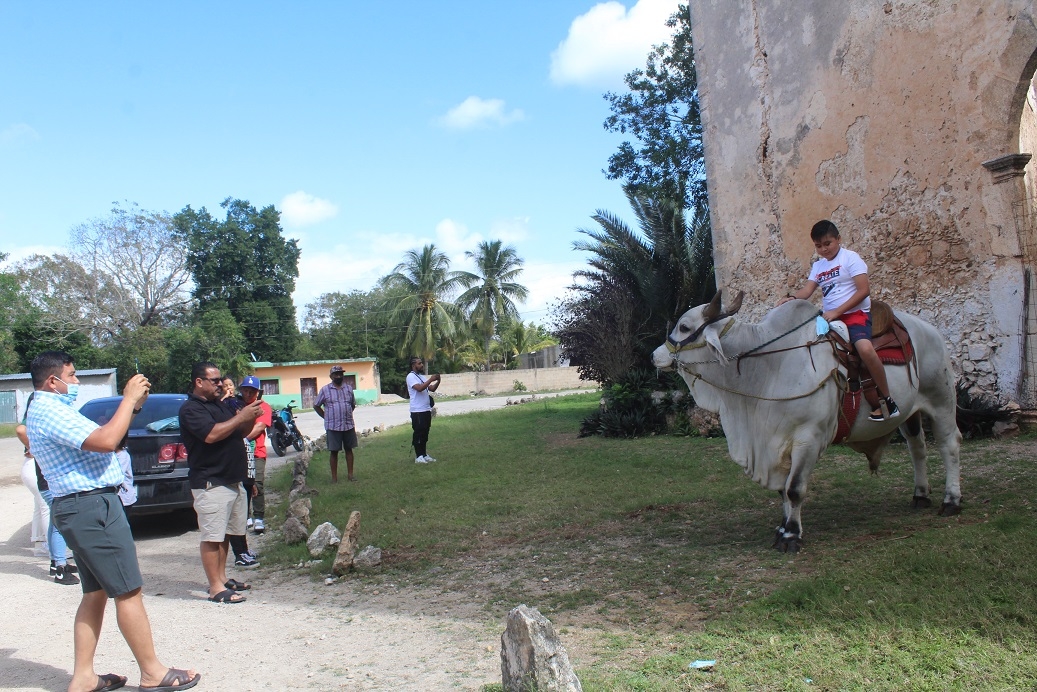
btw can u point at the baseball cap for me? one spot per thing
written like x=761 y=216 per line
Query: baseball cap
x=336 y=368
x=250 y=381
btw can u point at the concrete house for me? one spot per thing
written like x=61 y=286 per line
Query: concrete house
x=911 y=125
x=300 y=381
x=15 y=390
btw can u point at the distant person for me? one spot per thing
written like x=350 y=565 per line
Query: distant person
x=127 y=489
x=218 y=465
x=340 y=401
x=40 y=526
x=78 y=461
x=418 y=388
x=63 y=571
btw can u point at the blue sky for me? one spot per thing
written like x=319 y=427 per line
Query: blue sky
x=374 y=127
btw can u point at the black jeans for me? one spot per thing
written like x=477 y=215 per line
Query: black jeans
x=421 y=422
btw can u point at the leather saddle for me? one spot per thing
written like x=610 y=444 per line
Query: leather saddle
x=892 y=344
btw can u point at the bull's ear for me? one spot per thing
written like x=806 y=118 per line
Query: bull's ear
x=712 y=336
x=713 y=309
x=736 y=304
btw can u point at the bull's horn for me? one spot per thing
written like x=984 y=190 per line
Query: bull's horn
x=713 y=309
x=736 y=304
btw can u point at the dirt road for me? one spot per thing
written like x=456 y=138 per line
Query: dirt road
x=292 y=633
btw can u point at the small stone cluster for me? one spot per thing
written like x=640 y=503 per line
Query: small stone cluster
x=296 y=528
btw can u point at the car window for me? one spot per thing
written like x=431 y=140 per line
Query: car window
x=155 y=408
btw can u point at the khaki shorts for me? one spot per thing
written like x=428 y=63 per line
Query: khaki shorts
x=221 y=512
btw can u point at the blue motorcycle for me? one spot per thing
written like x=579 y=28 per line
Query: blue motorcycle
x=285 y=432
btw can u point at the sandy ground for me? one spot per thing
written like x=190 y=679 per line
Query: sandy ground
x=292 y=633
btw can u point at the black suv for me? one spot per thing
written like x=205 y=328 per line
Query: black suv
x=158 y=456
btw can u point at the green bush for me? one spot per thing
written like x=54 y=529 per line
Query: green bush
x=633 y=407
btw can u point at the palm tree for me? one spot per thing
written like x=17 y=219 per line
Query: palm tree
x=668 y=266
x=492 y=291
x=419 y=304
x=518 y=338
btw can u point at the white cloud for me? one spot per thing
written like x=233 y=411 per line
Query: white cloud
x=547 y=283
x=510 y=231
x=476 y=112
x=609 y=41
x=303 y=209
x=18 y=132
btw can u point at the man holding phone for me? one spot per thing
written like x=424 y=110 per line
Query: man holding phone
x=213 y=434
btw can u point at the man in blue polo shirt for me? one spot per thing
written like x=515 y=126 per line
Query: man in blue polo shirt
x=78 y=460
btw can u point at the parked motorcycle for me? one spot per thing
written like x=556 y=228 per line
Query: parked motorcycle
x=285 y=432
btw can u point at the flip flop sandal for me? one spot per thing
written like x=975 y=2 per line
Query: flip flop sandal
x=235 y=585
x=183 y=682
x=226 y=596
x=109 y=681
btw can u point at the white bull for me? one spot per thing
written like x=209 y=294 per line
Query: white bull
x=779 y=399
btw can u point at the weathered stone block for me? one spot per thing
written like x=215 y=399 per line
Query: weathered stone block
x=347 y=548
x=532 y=656
x=322 y=538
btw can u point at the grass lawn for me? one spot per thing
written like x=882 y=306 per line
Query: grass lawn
x=660 y=549
x=7 y=429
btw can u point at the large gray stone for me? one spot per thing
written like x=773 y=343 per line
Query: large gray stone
x=293 y=531
x=300 y=509
x=322 y=538
x=532 y=657
x=368 y=558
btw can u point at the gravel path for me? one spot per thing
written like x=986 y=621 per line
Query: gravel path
x=292 y=633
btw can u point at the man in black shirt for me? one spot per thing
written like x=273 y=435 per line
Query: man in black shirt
x=214 y=436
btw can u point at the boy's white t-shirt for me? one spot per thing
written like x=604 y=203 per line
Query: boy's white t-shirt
x=835 y=277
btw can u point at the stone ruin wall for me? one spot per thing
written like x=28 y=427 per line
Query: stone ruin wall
x=878 y=116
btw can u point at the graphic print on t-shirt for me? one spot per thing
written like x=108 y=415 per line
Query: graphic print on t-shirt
x=826 y=279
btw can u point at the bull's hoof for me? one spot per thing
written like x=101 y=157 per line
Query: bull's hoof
x=949 y=509
x=787 y=543
x=921 y=502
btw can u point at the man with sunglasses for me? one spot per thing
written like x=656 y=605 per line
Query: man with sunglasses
x=212 y=433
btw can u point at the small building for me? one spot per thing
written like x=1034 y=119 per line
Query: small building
x=300 y=381
x=15 y=390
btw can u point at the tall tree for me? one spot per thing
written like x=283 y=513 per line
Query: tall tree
x=355 y=325
x=492 y=290
x=517 y=338
x=667 y=266
x=661 y=111
x=245 y=263
x=419 y=304
x=13 y=304
x=144 y=266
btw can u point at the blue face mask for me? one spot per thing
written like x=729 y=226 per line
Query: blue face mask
x=822 y=325
x=73 y=391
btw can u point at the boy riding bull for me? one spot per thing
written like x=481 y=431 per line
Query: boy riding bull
x=843 y=278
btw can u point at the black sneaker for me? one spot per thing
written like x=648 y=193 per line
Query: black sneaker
x=70 y=567
x=246 y=561
x=891 y=406
x=63 y=576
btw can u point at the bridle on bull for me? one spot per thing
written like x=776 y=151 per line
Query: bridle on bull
x=712 y=315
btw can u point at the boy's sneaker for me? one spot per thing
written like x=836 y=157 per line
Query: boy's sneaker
x=63 y=576
x=891 y=406
x=258 y=526
x=253 y=554
x=420 y=460
x=246 y=561
x=428 y=459
x=248 y=523
x=69 y=567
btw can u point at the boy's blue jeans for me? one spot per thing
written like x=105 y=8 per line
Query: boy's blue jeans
x=56 y=544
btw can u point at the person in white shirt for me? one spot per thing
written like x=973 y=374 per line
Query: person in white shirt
x=842 y=276
x=418 y=388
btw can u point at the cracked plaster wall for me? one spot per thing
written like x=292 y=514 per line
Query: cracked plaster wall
x=879 y=116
